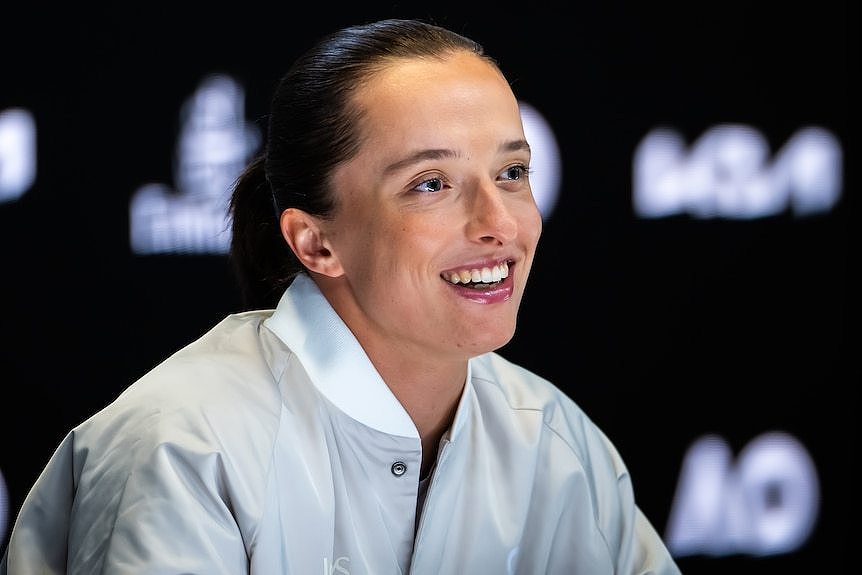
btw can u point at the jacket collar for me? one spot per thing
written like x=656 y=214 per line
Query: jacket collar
x=336 y=363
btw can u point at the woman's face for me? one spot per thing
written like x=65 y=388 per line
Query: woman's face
x=436 y=226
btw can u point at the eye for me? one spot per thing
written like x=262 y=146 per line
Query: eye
x=430 y=185
x=515 y=172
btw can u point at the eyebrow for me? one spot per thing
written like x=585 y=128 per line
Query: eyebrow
x=443 y=153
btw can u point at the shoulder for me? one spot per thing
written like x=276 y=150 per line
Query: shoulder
x=516 y=391
x=522 y=389
x=218 y=392
x=198 y=431
x=230 y=363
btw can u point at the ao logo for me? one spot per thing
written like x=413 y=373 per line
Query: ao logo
x=764 y=503
x=728 y=173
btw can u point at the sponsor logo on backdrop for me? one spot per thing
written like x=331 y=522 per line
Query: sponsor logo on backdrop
x=729 y=172
x=189 y=215
x=763 y=502
x=17 y=153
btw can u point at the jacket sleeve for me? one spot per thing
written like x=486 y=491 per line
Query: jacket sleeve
x=633 y=541
x=601 y=527
x=37 y=543
x=641 y=549
x=144 y=506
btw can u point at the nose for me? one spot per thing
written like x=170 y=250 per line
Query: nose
x=491 y=216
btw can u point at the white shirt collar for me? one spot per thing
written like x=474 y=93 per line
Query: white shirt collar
x=338 y=366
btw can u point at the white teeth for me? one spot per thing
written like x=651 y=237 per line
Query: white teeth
x=485 y=275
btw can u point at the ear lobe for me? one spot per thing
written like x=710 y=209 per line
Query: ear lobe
x=307 y=240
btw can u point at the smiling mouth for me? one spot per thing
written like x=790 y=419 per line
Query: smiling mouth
x=479 y=278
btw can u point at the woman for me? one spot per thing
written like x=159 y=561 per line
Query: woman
x=356 y=418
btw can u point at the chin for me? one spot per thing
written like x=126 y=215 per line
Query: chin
x=495 y=343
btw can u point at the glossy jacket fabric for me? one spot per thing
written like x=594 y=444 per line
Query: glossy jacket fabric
x=272 y=446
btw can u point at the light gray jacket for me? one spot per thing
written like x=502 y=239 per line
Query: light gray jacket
x=272 y=446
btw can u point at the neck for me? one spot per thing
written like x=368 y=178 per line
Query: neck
x=428 y=384
x=430 y=395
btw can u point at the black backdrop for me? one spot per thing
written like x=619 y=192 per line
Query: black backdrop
x=664 y=330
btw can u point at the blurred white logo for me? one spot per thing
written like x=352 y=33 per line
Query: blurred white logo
x=17 y=153
x=214 y=146
x=545 y=165
x=766 y=503
x=727 y=173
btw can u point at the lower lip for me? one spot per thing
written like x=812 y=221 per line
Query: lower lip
x=499 y=293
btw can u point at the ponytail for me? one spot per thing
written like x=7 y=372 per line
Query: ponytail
x=261 y=260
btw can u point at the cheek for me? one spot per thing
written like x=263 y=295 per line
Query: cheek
x=373 y=246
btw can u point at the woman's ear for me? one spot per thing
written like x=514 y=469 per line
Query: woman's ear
x=307 y=239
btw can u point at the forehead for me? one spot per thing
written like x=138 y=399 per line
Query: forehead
x=456 y=64
x=436 y=99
